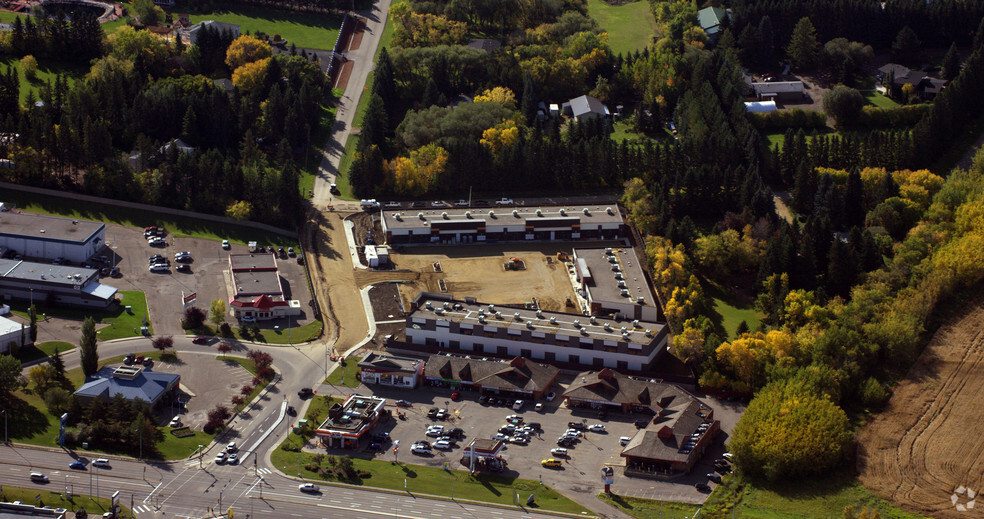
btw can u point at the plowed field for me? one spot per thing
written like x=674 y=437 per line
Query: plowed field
x=929 y=442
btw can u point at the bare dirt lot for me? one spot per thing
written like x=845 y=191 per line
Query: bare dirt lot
x=927 y=443
x=477 y=271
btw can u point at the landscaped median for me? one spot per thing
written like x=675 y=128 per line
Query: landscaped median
x=420 y=480
x=46 y=498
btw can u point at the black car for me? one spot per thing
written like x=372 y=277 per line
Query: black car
x=380 y=437
x=456 y=432
x=722 y=469
x=535 y=426
x=184 y=267
x=480 y=203
x=291 y=411
x=156 y=258
x=417 y=204
x=641 y=424
x=305 y=392
x=565 y=442
x=432 y=412
x=270 y=249
x=484 y=400
x=577 y=426
x=714 y=477
x=703 y=487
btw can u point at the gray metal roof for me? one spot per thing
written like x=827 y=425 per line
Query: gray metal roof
x=47 y=227
x=50 y=274
x=257 y=282
x=258 y=260
x=500 y=216
x=148 y=386
x=605 y=286
x=587 y=104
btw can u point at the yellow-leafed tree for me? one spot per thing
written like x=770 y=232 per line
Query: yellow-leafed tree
x=246 y=49
x=502 y=136
x=250 y=75
x=415 y=174
x=499 y=95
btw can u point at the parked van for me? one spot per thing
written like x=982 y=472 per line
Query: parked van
x=517 y=405
x=38 y=477
x=624 y=440
x=370 y=203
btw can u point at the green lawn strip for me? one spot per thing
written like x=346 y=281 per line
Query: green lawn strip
x=42 y=351
x=56 y=498
x=437 y=482
x=121 y=323
x=298 y=334
x=629 y=26
x=174 y=448
x=177 y=226
x=48 y=70
x=649 y=508
x=313 y=31
x=818 y=496
x=345 y=375
x=874 y=97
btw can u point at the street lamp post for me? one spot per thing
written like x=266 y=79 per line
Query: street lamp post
x=200 y=454
x=4 y=426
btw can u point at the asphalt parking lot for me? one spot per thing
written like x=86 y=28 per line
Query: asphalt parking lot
x=208 y=277
x=580 y=472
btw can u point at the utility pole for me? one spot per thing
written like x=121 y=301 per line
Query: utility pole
x=5 y=426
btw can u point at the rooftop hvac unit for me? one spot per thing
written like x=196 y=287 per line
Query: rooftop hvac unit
x=439 y=311
x=518 y=318
x=611 y=259
x=516 y=213
x=608 y=210
x=625 y=293
x=529 y=324
x=491 y=308
x=641 y=300
x=553 y=320
x=498 y=315
x=586 y=212
x=635 y=323
x=563 y=212
x=420 y=215
x=467 y=214
x=594 y=320
x=609 y=251
x=444 y=215
x=539 y=314
x=584 y=331
x=491 y=214
x=618 y=275
x=428 y=305
x=539 y=212
x=608 y=327
x=649 y=333
x=398 y=217
x=446 y=305
x=621 y=284
x=577 y=323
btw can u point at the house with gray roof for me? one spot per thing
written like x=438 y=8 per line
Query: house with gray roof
x=132 y=382
x=926 y=87
x=584 y=108
x=713 y=20
x=190 y=35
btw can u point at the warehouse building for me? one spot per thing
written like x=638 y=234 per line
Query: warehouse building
x=50 y=237
x=613 y=281
x=54 y=284
x=471 y=328
x=460 y=225
x=258 y=293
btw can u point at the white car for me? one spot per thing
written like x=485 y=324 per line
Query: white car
x=501 y=437
x=558 y=451
x=624 y=440
x=232 y=447
x=420 y=449
x=438 y=203
x=160 y=267
x=220 y=458
x=550 y=396
x=444 y=445
x=101 y=462
x=517 y=405
x=393 y=204
x=596 y=427
x=225 y=244
x=435 y=433
x=538 y=407
x=175 y=422
x=573 y=432
x=308 y=487
x=504 y=201
x=519 y=440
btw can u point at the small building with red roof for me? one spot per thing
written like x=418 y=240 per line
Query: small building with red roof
x=258 y=292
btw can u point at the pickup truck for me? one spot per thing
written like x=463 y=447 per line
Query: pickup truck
x=504 y=201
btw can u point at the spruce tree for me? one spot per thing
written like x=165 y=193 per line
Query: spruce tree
x=951 y=63
x=87 y=348
x=906 y=46
x=854 y=201
x=528 y=101
x=804 y=47
x=374 y=124
x=33 y=311
x=767 y=43
x=58 y=363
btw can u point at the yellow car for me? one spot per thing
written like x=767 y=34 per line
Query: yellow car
x=552 y=462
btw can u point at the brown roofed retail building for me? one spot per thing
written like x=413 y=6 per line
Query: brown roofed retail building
x=390 y=370
x=518 y=376
x=667 y=447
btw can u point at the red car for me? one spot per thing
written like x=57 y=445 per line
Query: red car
x=200 y=340
x=455 y=396
x=139 y=359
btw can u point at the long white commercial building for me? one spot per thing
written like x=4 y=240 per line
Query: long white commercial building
x=49 y=237
x=467 y=326
x=462 y=225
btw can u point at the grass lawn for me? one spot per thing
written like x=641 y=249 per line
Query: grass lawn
x=54 y=499
x=48 y=70
x=436 y=481
x=177 y=226
x=43 y=350
x=311 y=31
x=812 y=497
x=731 y=315
x=345 y=375
x=629 y=25
x=873 y=97
x=649 y=508
x=121 y=324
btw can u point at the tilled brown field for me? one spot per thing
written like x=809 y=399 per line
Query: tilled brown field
x=925 y=452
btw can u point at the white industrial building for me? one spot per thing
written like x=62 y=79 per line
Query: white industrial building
x=462 y=225
x=54 y=284
x=51 y=237
x=11 y=332
x=376 y=255
x=614 y=282
x=465 y=326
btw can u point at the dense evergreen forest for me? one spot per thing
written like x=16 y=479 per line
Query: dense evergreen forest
x=111 y=133
x=834 y=282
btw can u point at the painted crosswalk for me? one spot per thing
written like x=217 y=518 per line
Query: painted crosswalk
x=142 y=509
x=264 y=471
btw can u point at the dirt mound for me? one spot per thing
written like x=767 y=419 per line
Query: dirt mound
x=924 y=452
